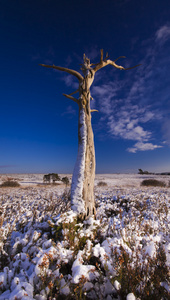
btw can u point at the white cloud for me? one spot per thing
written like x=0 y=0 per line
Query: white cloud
x=163 y=34
x=108 y=90
x=140 y=146
x=70 y=81
x=105 y=93
x=123 y=118
x=132 y=105
x=137 y=88
x=131 y=124
x=148 y=116
x=127 y=129
x=69 y=111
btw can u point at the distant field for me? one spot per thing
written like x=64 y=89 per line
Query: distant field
x=112 y=180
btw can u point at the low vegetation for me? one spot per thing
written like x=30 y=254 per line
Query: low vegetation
x=101 y=183
x=65 y=180
x=141 y=172
x=51 y=177
x=153 y=182
x=10 y=183
x=46 y=252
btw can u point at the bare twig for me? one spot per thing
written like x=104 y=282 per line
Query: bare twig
x=92 y=110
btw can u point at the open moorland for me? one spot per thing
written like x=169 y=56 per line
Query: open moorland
x=46 y=252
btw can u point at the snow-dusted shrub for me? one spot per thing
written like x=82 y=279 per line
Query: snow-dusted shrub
x=141 y=278
x=72 y=232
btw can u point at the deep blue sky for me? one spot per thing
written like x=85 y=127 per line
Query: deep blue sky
x=38 y=126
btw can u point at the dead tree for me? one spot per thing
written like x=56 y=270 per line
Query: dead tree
x=82 y=187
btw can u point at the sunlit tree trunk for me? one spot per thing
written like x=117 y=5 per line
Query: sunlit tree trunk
x=82 y=189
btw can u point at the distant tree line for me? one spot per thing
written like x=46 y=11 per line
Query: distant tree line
x=53 y=177
x=141 y=172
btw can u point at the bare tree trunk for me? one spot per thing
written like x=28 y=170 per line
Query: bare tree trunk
x=82 y=188
x=90 y=166
x=77 y=201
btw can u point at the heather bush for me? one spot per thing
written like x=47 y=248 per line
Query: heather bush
x=101 y=183
x=153 y=182
x=10 y=183
x=141 y=279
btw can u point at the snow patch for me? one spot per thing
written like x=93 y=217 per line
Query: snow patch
x=79 y=270
x=117 y=285
x=130 y=296
x=151 y=250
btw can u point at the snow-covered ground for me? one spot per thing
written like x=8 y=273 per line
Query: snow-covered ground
x=47 y=253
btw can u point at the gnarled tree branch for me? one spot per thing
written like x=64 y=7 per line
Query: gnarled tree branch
x=70 y=71
x=72 y=98
x=93 y=110
x=101 y=55
x=119 y=58
x=74 y=92
x=106 y=61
